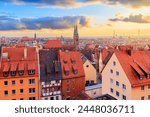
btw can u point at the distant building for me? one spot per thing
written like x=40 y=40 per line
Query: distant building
x=28 y=41
x=90 y=72
x=19 y=77
x=55 y=44
x=73 y=76
x=50 y=75
x=76 y=37
x=126 y=75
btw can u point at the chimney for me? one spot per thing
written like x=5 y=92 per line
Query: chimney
x=25 y=53
x=129 y=52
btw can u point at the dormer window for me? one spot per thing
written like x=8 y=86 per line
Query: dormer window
x=31 y=72
x=67 y=73
x=21 y=73
x=75 y=71
x=141 y=77
x=66 y=70
x=5 y=74
x=65 y=61
x=73 y=61
x=148 y=76
x=13 y=73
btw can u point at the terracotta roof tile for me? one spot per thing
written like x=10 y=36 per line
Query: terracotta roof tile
x=77 y=64
x=132 y=65
x=53 y=44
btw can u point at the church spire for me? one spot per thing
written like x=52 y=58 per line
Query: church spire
x=76 y=37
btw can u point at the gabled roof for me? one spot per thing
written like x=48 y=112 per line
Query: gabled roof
x=68 y=64
x=135 y=66
x=88 y=55
x=27 y=39
x=53 y=44
x=50 y=66
x=13 y=59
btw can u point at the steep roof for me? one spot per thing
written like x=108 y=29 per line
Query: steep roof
x=53 y=44
x=136 y=66
x=70 y=61
x=22 y=58
x=50 y=67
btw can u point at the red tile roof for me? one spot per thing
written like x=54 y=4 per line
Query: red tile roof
x=135 y=65
x=53 y=44
x=69 y=65
x=14 y=60
x=27 y=39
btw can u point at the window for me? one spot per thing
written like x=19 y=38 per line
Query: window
x=117 y=83
x=32 y=98
x=117 y=93
x=31 y=81
x=13 y=92
x=5 y=83
x=117 y=73
x=5 y=74
x=68 y=81
x=21 y=90
x=124 y=97
x=87 y=82
x=57 y=81
x=13 y=73
x=75 y=71
x=5 y=93
x=148 y=97
x=13 y=82
x=21 y=81
x=114 y=63
x=57 y=97
x=66 y=73
x=142 y=88
x=149 y=86
x=142 y=98
x=111 y=71
x=87 y=65
x=92 y=81
x=111 y=90
x=31 y=90
x=31 y=72
x=52 y=98
x=111 y=81
x=68 y=89
x=21 y=99
x=123 y=86
x=21 y=73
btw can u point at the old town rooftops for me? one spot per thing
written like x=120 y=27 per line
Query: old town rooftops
x=15 y=59
x=50 y=67
x=71 y=64
x=136 y=65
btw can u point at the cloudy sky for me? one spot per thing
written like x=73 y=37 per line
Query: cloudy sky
x=57 y=17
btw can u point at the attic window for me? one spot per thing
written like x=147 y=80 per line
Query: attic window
x=73 y=61
x=141 y=77
x=65 y=61
x=75 y=71
x=21 y=73
x=31 y=72
x=5 y=74
x=13 y=73
x=67 y=73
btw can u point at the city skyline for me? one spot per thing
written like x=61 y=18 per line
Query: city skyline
x=56 y=18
